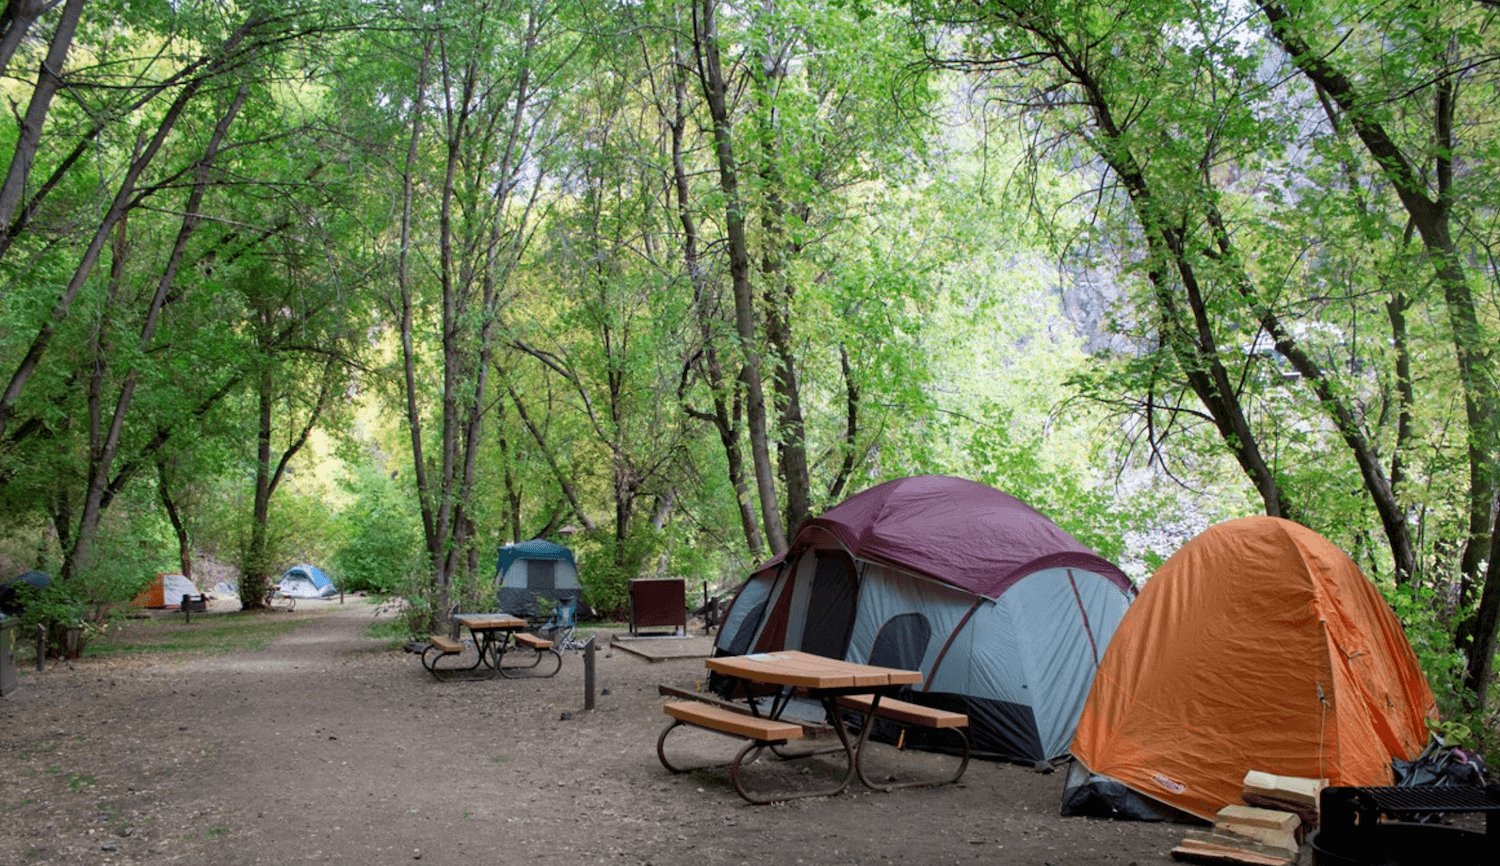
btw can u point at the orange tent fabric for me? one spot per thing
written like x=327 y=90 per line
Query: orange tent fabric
x=165 y=590
x=1258 y=646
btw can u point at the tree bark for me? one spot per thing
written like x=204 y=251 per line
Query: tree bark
x=49 y=79
x=716 y=92
x=726 y=422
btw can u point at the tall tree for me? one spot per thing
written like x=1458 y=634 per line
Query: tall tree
x=1422 y=174
x=483 y=94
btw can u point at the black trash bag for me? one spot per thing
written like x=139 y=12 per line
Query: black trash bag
x=1441 y=765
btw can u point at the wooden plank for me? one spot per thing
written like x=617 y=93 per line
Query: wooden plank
x=1291 y=788
x=1224 y=855
x=1283 y=841
x=809 y=729
x=1287 y=793
x=447 y=645
x=533 y=641
x=1211 y=848
x=726 y=721
x=489 y=621
x=906 y=712
x=804 y=670
x=1254 y=816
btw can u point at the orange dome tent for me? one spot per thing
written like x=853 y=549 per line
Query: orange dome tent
x=1258 y=646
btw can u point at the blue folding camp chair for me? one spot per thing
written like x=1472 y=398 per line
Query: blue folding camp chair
x=559 y=629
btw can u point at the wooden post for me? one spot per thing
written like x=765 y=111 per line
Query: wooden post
x=41 y=647
x=187 y=609
x=588 y=675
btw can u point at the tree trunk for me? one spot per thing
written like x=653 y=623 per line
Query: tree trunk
x=769 y=71
x=256 y=569
x=724 y=421
x=124 y=200
x=1189 y=337
x=716 y=92
x=174 y=516
x=18 y=14
x=104 y=445
x=1486 y=625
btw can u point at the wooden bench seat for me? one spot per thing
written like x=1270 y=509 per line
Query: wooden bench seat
x=446 y=645
x=729 y=722
x=532 y=641
x=761 y=734
x=906 y=713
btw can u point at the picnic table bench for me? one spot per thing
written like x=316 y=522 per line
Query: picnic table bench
x=906 y=713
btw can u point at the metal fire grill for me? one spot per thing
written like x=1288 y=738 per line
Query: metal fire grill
x=1348 y=807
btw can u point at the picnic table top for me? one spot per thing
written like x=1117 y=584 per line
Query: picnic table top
x=805 y=670
x=482 y=621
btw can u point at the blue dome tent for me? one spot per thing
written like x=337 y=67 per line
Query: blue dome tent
x=306 y=581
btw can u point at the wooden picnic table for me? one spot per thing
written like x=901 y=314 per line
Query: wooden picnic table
x=492 y=638
x=814 y=673
x=791 y=672
x=491 y=633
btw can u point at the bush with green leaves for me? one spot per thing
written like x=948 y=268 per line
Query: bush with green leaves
x=1423 y=612
x=382 y=547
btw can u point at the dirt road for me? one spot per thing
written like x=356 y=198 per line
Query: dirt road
x=329 y=747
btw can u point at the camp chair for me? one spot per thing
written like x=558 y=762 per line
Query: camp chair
x=562 y=624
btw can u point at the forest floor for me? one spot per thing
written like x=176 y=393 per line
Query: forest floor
x=331 y=746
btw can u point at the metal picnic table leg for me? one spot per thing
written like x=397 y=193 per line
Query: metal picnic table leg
x=864 y=736
x=752 y=752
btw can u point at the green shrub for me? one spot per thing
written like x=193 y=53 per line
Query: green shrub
x=383 y=548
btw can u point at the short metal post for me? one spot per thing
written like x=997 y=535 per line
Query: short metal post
x=41 y=646
x=187 y=609
x=588 y=675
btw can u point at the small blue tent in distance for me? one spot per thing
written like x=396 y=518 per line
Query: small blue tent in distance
x=306 y=581
x=528 y=571
x=11 y=602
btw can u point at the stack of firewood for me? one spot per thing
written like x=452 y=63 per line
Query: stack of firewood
x=1267 y=832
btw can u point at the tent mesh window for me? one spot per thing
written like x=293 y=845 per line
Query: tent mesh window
x=902 y=642
x=830 y=610
x=541 y=575
x=746 y=633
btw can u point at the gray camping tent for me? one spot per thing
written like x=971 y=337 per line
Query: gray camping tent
x=1005 y=614
x=532 y=570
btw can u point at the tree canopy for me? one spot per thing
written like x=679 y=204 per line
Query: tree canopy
x=394 y=283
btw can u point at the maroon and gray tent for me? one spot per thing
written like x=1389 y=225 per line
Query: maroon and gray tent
x=1004 y=613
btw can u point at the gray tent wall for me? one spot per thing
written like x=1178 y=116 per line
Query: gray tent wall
x=1020 y=665
x=533 y=570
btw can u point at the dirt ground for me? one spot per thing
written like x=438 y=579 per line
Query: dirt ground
x=330 y=747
